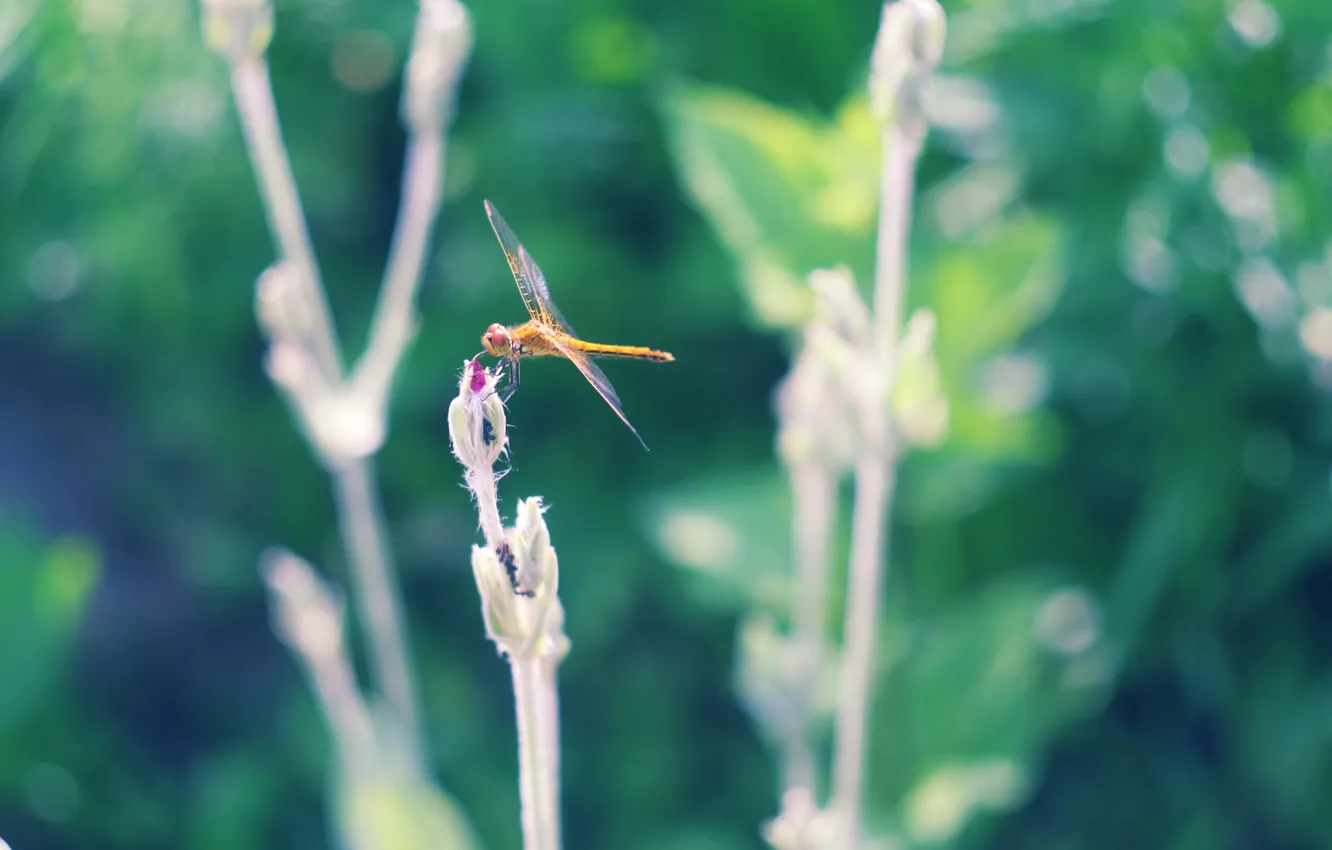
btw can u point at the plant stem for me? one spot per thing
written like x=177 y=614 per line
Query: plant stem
x=360 y=517
x=482 y=485
x=814 y=494
x=253 y=92
x=537 y=709
x=874 y=483
x=422 y=182
x=362 y=525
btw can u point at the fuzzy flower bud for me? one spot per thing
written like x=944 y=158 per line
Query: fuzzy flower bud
x=907 y=48
x=440 y=49
x=817 y=399
x=237 y=29
x=801 y=824
x=478 y=426
x=529 y=541
x=783 y=682
x=307 y=614
x=280 y=304
x=519 y=586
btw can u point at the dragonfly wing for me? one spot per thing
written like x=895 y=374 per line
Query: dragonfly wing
x=519 y=262
x=541 y=293
x=595 y=377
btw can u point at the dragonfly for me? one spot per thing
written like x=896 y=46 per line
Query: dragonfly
x=547 y=332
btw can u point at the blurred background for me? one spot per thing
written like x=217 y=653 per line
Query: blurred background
x=1109 y=599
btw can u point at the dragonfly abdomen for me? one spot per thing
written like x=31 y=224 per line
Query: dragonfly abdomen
x=627 y=352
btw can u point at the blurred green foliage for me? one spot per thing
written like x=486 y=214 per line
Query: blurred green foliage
x=1109 y=592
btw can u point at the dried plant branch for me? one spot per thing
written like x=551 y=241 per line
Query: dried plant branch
x=344 y=418
x=908 y=47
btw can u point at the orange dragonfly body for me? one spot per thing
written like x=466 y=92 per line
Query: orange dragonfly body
x=548 y=333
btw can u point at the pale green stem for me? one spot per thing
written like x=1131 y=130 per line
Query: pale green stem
x=282 y=204
x=392 y=326
x=482 y=484
x=548 y=749
x=874 y=482
x=362 y=524
x=536 y=705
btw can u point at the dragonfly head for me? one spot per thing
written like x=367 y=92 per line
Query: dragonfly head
x=496 y=340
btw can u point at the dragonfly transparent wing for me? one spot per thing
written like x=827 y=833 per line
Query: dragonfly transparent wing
x=527 y=274
x=542 y=292
x=596 y=378
x=512 y=248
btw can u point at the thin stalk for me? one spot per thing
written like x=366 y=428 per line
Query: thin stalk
x=253 y=91
x=874 y=484
x=360 y=517
x=548 y=749
x=537 y=713
x=392 y=326
x=482 y=485
x=362 y=524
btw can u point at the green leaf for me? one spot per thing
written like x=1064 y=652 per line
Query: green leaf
x=385 y=810
x=733 y=532
x=785 y=193
x=975 y=693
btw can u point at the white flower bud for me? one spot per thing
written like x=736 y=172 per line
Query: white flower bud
x=478 y=426
x=908 y=46
x=501 y=607
x=519 y=586
x=281 y=304
x=238 y=28
x=440 y=48
x=307 y=613
x=529 y=542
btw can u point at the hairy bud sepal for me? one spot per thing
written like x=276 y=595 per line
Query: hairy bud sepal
x=519 y=584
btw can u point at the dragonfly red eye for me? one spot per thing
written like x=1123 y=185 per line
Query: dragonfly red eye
x=496 y=340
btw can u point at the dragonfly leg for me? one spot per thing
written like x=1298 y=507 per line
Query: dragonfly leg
x=510 y=379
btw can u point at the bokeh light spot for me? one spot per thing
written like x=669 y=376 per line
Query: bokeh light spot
x=1068 y=622
x=186 y=107
x=1316 y=332
x=53 y=271
x=1265 y=292
x=973 y=197
x=362 y=60
x=1186 y=151
x=1014 y=383
x=699 y=540
x=53 y=793
x=1166 y=91
x=1257 y=24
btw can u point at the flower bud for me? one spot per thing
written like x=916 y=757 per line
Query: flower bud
x=440 y=48
x=307 y=614
x=478 y=426
x=501 y=607
x=529 y=542
x=237 y=29
x=280 y=304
